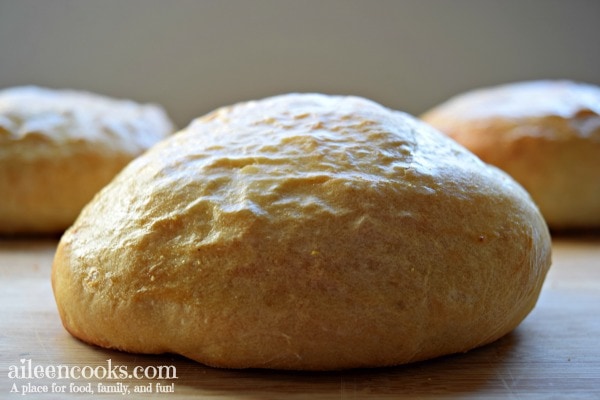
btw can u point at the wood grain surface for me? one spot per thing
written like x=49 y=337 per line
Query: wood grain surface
x=553 y=354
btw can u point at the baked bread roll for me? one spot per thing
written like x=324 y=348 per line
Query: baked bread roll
x=304 y=232
x=58 y=148
x=545 y=134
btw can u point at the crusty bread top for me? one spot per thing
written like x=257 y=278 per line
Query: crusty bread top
x=33 y=116
x=245 y=162
x=531 y=100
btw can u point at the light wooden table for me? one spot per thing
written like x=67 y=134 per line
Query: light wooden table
x=554 y=353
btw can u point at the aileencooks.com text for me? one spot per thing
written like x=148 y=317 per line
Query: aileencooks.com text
x=28 y=370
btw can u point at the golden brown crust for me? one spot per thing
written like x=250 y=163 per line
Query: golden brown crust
x=545 y=134
x=58 y=148
x=303 y=232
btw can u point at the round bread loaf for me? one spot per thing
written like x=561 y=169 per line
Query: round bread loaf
x=545 y=134
x=58 y=148
x=305 y=232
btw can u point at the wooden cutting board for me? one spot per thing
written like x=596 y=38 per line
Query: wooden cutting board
x=554 y=353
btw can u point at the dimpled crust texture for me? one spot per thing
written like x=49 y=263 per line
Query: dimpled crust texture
x=306 y=232
x=545 y=134
x=58 y=148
